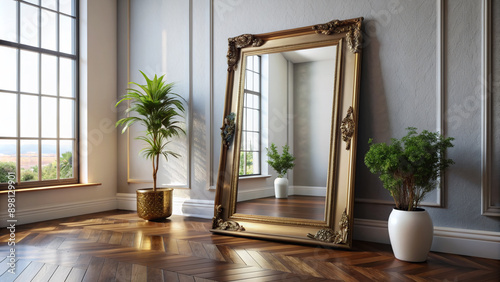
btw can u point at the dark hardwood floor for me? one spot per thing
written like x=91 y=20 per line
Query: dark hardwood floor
x=118 y=246
x=304 y=207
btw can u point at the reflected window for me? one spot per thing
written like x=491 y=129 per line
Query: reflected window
x=38 y=92
x=250 y=153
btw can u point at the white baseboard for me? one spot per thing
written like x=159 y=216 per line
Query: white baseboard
x=308 y=191
x=194 y=207
x=256 y=193
x=371 y=231
x=48 y=212
x=126 y=201
x=264 y=192
x=181 y=206
x=458 y=241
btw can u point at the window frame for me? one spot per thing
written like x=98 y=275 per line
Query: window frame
x=76 y=98
x=245 y=107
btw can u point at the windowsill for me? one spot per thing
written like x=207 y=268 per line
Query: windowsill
x=51 y=187
x=254 y=177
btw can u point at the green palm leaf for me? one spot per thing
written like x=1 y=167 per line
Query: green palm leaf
x=160 y=111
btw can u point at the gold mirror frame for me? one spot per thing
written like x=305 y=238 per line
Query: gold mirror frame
x=336 y=229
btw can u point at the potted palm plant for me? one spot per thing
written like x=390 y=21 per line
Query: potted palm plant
x=159 y=110
x=281 y=164
x=409 y=168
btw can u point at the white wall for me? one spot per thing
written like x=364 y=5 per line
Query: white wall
x=278 y=103
x=170 y=37
x=98 y=136
x=313 y=100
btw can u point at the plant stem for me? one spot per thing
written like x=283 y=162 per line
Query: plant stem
x=157 y=167
x=154 y=174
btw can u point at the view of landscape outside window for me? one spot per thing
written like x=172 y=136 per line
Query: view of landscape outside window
x=250 y=135
x=38 y=91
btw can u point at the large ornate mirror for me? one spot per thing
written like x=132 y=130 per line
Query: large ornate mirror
x=297 y=88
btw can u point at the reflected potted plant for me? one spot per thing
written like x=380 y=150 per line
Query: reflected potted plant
x=281 y=164
x=159 y=110
x=409 y=168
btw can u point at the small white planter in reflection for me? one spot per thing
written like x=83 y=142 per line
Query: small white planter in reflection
x=411 y=234
x=281 y=188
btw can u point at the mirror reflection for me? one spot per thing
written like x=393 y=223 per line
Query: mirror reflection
x=288 y=99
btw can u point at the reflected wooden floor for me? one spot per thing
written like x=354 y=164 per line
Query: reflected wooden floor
x=304 y=207
x=118 y=246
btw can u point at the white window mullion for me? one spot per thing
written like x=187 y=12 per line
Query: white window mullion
x=18 y=118
x=58 y=153
x=58 y=47
x=40 y=113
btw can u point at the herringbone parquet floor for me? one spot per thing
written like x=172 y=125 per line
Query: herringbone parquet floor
x=118 y=246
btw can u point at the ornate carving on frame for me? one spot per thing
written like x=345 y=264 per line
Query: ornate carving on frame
x=227 y=130
x=238 y=42
x=330 y=236
x=347 y=128
x=352 y=27
x=219 y=224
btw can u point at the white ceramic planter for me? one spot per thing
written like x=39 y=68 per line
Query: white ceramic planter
x=281 y=188
x=411 y=234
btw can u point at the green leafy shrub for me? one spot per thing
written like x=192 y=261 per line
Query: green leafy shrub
x=280 y=163
x=66 y=163
x=409 y=168
x=49 y=171
x=5 y=169
x=248 y=164
x=29 y=174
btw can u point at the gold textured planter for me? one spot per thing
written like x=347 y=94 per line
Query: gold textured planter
x=153 y=205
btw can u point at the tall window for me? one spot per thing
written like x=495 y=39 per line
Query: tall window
x=38 y=92
x=250 y=153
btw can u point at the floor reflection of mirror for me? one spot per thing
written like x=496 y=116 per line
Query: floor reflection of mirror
x=295 y=206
